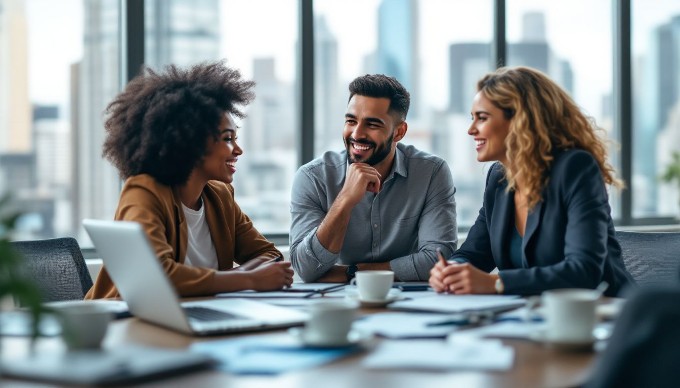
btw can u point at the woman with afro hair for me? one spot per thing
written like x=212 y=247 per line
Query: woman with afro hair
x=172 y=137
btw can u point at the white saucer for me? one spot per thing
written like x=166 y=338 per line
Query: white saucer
x=540 y=336
x=392 y=296
x=354 y=337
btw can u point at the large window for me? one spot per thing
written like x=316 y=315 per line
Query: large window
x=430 y=47
x=56 y=76
x=656 y=102
x=263 y=48
x=543 y=35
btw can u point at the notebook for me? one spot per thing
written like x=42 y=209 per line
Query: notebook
x=132 y=264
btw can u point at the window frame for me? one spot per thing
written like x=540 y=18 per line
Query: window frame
x=132 y=58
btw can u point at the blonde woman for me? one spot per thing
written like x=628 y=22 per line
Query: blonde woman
x=545 y=221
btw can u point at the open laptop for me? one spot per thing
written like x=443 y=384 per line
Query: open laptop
x=132 y=264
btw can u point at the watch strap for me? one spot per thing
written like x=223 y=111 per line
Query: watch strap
x=351 y=271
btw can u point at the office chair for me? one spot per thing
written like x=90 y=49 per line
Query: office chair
x=58 y=267
x=651 y=257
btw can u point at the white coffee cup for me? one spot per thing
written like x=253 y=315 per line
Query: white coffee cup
x=330 y=321
x=83 y=324
x=373 y=285
x=569 y=315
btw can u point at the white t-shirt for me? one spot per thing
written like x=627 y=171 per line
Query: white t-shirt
x=201 y=250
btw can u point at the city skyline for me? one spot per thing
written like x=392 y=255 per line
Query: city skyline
x=436 y=123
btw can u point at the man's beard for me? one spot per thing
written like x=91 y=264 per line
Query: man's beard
x=379 y=152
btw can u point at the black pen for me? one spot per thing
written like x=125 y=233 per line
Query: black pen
x=441 y=257
x=324 y=291
x=274 y=260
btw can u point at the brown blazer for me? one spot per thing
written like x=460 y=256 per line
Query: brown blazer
x=158 y=209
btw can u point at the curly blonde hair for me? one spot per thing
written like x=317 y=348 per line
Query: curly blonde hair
x=543 y=118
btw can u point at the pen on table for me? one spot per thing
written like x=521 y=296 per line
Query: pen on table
x=274 y=260
x=441 y=257
x=326 y=290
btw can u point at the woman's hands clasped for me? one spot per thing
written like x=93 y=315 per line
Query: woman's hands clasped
x=460 y=278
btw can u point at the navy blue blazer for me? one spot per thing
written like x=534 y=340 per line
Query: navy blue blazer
x=569 y=238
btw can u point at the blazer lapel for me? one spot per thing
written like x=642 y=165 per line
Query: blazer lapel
x=501 y=219
x=533 y=221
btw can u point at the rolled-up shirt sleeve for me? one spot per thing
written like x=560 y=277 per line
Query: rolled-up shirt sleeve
x=413 y=214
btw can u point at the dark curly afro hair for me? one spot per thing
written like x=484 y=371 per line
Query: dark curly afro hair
x=160 y=124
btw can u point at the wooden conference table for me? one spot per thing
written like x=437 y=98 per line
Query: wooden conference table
x=535 y=365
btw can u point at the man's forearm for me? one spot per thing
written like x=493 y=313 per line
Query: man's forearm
x=338 y=273
x=374 y=266
x=331 y=232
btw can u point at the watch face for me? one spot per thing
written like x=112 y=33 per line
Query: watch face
x=499 y=286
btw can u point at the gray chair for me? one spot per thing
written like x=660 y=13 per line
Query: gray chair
x=58 y=266
x=652 y=258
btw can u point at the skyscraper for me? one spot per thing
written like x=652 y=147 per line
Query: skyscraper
x=330 y=95
x=15 y=108
x=95 y=81
x=398 y=49
x=656 y=95
x=470 y=61
x=181 y=32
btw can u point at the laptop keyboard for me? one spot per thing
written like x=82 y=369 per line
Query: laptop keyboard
x=207 y=315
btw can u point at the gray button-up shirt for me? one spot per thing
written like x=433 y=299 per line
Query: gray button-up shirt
x=414 y=213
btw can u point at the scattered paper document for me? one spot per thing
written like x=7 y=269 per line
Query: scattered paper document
x=447 y=303
x=404 y=325
x=271 y=354
x=441 y=355
x=521 y=330
x=297 y=291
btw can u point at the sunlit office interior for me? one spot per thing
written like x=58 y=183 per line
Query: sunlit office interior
x=58 y=74
x=62 y=62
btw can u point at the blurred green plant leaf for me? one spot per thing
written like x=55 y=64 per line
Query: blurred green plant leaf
x=13 y=280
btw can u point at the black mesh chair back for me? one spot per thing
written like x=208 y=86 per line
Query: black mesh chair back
x=57 y=265
x=651 y=257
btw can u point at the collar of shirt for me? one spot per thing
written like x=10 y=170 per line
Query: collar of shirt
x=399 y=166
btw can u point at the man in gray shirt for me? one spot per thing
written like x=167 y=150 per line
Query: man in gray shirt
x=377 y=205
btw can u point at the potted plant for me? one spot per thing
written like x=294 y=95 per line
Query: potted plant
x=13 y=281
